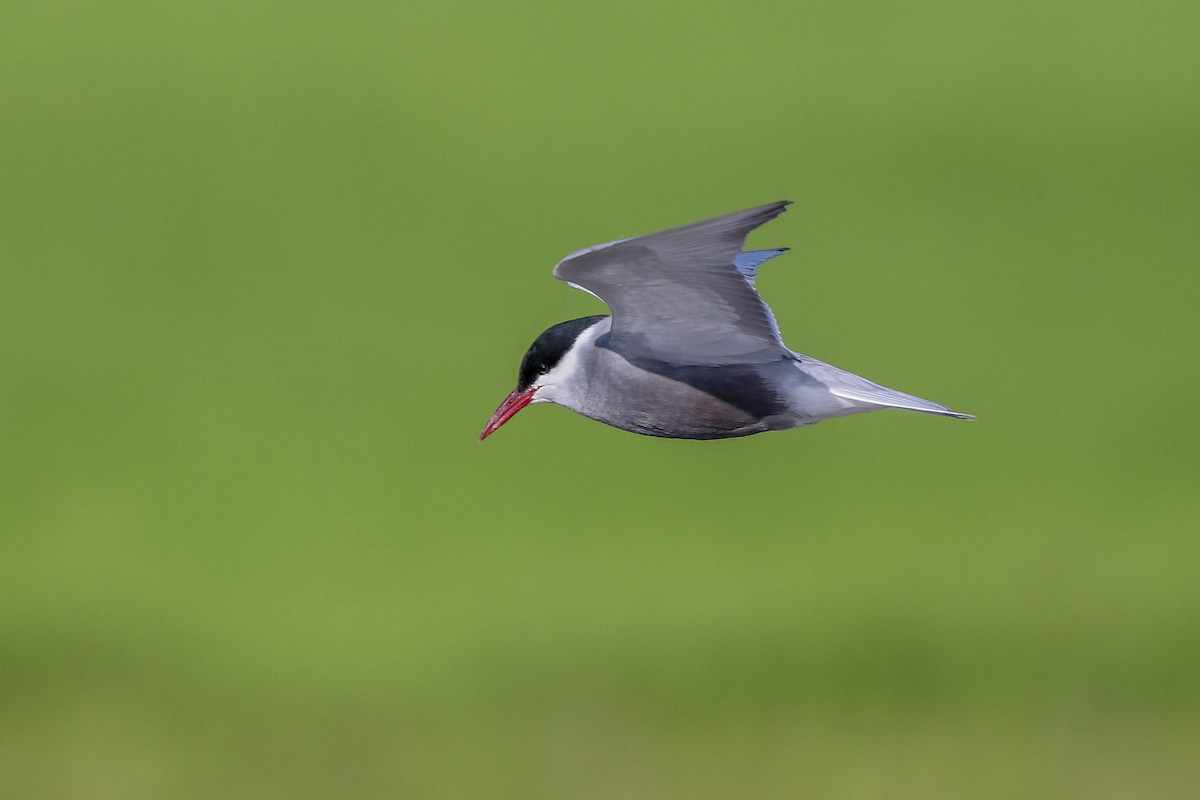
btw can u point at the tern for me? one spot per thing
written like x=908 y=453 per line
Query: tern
x=690 y=351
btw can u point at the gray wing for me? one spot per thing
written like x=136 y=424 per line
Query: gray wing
x=678 y=296
x=748 y=262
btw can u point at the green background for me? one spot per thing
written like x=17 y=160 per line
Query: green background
x=266 y=269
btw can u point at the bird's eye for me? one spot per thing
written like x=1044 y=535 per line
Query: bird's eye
x=543 y=369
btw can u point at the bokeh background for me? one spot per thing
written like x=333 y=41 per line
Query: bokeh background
x=266 y=269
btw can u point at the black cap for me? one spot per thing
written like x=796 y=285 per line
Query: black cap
x=548 y=348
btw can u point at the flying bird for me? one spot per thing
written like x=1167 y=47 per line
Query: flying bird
x=690 y=351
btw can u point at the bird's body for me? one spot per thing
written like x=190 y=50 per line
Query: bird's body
x=691 y=351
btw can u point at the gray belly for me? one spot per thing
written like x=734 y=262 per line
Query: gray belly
x=680 y=403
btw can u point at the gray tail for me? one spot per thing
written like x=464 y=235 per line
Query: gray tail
x=875 y=395
x=863 y=392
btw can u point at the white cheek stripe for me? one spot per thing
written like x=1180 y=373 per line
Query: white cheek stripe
x=559 y=383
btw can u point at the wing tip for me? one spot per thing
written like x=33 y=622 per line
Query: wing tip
x=743 y=222
x=762 y=214
x=776 y=208
x=748 y=219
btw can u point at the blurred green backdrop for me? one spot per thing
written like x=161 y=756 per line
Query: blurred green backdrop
x=266 y=269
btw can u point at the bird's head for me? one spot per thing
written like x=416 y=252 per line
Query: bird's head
x=546 y=370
